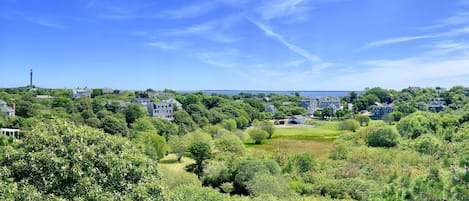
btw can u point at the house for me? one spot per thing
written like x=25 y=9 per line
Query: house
x=78 y=93
x=440 y=90
x=173 y=101
x=10 y=132
x=143 y=101
x=312 y=104
x=437 y=105
x=379 y=110
x=159 y=94
x=161 y=110
x=45 y=97
x=297 y=119
x=270 y=108
x=10 y=111
x=108 y=91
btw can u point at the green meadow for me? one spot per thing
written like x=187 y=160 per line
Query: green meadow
x=316 y=140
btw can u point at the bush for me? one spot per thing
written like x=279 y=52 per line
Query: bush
x=426 y=144
x=382 y=137
x=257 y=135
x=230 y=143
x=349 y=124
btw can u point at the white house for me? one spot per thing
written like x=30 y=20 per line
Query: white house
x=161 y=110
x=78 y=93
x=10 y=111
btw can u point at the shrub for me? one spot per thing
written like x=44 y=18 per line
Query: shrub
x=257 y=135
x=349 y=124
x=382 y=137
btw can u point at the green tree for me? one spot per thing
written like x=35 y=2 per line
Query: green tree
x=230 y=143
x=143 y=124
x=178 y=146
x=229 y=124
x=384 y=136
x=184 y=122
x=152 y=144
x=257 y=135
x=200 y=151
x=113 y=125
x=133 y=112
x=349 y=124
x=266 y=126
x=25 y=108
x=363 y=120
x=61 y=161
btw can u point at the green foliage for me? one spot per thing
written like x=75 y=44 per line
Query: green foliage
x=229 y=124
x=363 y=120
x=267 y=184
x=414 y=125
x=200 y=151
x=59 y=160
x=134 y=112
x=230 y=143
x=195 y=193
x=113 y=125
x=178 y=146
x=247 y=170
x=384 y=136
x=349 y=124
x=427 y=144
x=143 y=124
x=174 y=178
x=257 y=135
x=300 y=163
x=266 y=126
x=184 y=122
x=215 y=174
x=153 y=145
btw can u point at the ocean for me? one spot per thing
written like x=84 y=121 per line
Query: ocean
x=289 y=93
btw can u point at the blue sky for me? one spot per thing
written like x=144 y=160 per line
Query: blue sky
x=235 y=44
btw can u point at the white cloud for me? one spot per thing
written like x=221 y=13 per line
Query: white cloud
x=315 y=61
x=457 y=19
x=451 y=33
x=165 y=45
x=46 y=22
x=193 y=10
x=226 y=59
x=396 y=40
x=441 y=62
x=282 y=8
x=407 y=72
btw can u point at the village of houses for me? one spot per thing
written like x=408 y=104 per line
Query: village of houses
x=165 y=107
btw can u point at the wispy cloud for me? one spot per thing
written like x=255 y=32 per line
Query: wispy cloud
x=165 y=45
x=442 y=62
x=282 y=8
x=315 y=61
x=226 y=59
x=396 y=40
x=193 y=10
x=47 y=23
x=450 y=33
x=457 y=19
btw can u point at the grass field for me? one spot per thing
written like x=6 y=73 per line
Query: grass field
x=170 y=162
x=316 y=140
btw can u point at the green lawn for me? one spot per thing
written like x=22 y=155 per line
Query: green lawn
x=316 y=140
